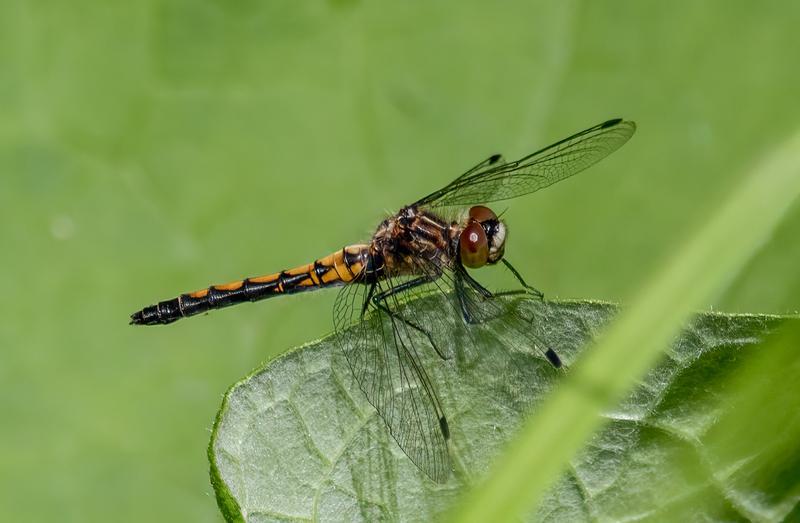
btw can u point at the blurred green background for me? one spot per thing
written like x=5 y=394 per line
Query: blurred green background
x=151 y=148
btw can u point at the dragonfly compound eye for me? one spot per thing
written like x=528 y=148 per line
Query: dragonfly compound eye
x=473 y=246
x=482 y=214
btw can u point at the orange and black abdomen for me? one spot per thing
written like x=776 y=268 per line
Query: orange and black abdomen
x=336 y=269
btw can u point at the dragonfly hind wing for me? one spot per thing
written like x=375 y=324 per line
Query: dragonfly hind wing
x=383 y=352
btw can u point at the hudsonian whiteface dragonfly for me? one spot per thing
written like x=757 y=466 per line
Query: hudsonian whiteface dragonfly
x=426 y=247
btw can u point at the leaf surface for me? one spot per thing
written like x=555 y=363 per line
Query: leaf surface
x=297 y=439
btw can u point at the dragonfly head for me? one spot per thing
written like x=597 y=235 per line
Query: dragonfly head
x=483 y=239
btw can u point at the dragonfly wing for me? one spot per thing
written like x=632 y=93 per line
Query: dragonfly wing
x=494 y=181
x=488 y=163
x=478 y=307
x=382 y=351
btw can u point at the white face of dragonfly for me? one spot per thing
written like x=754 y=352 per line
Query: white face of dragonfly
x=497 y=242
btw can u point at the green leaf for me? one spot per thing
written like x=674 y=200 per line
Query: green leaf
x=297 y=439
x=751 y=448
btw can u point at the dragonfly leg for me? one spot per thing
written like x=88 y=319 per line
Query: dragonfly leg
x=368 y=299
x=528 y=289
x=379 y=301
x=461 y=277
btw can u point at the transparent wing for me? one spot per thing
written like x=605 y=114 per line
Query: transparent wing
x=477 y=309
x=493 y=160
x=384 y=343
x=382 y=351
x=491 y=181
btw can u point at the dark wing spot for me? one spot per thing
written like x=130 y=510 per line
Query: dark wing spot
x=445 y=427
x=553 y=358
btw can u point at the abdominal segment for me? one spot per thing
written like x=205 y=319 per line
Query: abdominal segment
x=335 y=269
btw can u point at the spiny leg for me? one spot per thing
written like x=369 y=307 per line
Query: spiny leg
x=486 y=293
x=462 y=275
x=528 y=288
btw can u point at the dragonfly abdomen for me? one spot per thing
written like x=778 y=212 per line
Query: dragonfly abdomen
x=333 y=270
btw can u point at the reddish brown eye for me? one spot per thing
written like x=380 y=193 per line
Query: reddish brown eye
x=473 y=246
x=481 y=213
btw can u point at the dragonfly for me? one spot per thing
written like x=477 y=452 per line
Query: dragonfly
x=427 y=247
